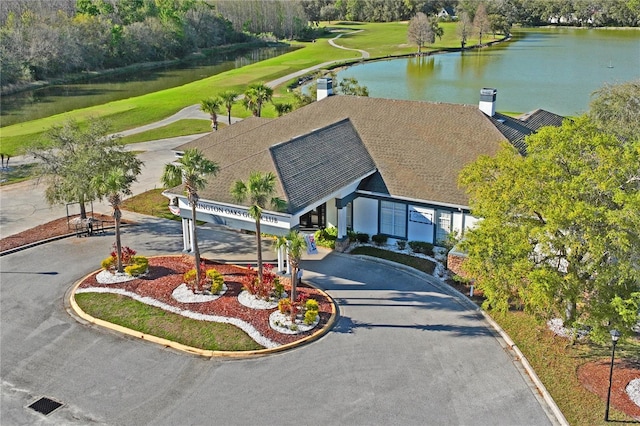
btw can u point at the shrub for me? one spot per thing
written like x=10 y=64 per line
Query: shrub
x=108 y=263
x=216 y=279
x=310 y=317
x=401 y=244
x=284 y=306
x=138 y=266
x=312 y=305
x=421 y=247
x=263 y=289
x=127 y=257
x=278 y=287
x=126 y=252
x=379 y=239
x=361 y=237
x=326 y=237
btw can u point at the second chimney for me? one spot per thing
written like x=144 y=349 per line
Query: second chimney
x=325 y=88
x=488 y=101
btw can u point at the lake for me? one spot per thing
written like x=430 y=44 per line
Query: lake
x=47 y=101
x=553 y=69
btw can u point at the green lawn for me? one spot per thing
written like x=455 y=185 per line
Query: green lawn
x=151 y=203
x=178 y=128
x=135 y=315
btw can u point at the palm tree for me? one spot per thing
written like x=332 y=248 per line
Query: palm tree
x=113 y=184
x=192 y=169
x=211 y=105
x=259 y=189
x=282 y=109
x=228 y=99
x=255 y=96
x=295 y=243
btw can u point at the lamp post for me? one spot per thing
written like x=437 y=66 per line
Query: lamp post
x=615 y=335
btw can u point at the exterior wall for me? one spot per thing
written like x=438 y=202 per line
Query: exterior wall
x=455 y=259
x=332 y=213
x=458 y=223
x=365 y=215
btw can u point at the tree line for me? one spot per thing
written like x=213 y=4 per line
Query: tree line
x=44 y=39
x=624 y=13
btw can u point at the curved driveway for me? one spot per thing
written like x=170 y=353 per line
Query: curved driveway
x=403 y=352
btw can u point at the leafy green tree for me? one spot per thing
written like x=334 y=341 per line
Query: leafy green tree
x=229 y=98
x=211 y=106
x=295 y=244
x=256 y=96
x=616 y=109
x=560 y=228
x=350 y=86
x=192 y=169
x=259 y=190
x=113 y=184
x=71 y=155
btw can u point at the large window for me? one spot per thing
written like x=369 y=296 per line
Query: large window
x=393 y=219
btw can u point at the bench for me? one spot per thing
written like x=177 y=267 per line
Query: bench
x=89 y=227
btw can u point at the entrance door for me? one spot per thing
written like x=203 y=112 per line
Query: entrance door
x=315 y=219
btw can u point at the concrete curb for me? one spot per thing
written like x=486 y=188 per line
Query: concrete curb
x=558 y=418
x=72 y=307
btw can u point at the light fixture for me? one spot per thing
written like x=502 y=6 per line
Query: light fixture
x=615 y=335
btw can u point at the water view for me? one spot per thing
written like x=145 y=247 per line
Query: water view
x=33 y=104
x=554 y=69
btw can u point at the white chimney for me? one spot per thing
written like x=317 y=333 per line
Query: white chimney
x=325 y=88
x=488 y=101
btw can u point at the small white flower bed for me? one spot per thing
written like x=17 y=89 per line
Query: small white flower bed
x=184 y=294
x=251 y=301
x=633 y=390
x=106 y=277
x=282 y=323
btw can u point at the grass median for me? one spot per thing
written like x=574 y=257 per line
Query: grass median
x=154 y=321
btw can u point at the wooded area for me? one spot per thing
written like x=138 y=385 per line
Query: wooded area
x=45 y=39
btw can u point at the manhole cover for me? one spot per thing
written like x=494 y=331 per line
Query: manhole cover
x=45 y=405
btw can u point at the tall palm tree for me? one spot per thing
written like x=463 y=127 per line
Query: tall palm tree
x=211 y=106
x=260 y=190
x=229 y=97
x=113 y=184
x=192 y=168
x=295 y=243
x=256 y=96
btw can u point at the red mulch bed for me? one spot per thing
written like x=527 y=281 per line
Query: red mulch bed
x=166 y=273
x=595 y=377
x=55 y=228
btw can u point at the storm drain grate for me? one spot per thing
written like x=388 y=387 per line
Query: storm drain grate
x=45 y=405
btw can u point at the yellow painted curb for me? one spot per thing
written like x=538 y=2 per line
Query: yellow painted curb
x=76 y=310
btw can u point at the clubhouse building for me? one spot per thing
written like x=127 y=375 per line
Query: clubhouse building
x=375 y=166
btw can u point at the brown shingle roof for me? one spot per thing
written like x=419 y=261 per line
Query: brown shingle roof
x=418 y=147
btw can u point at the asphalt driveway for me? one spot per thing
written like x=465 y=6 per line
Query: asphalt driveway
x=403 y=352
